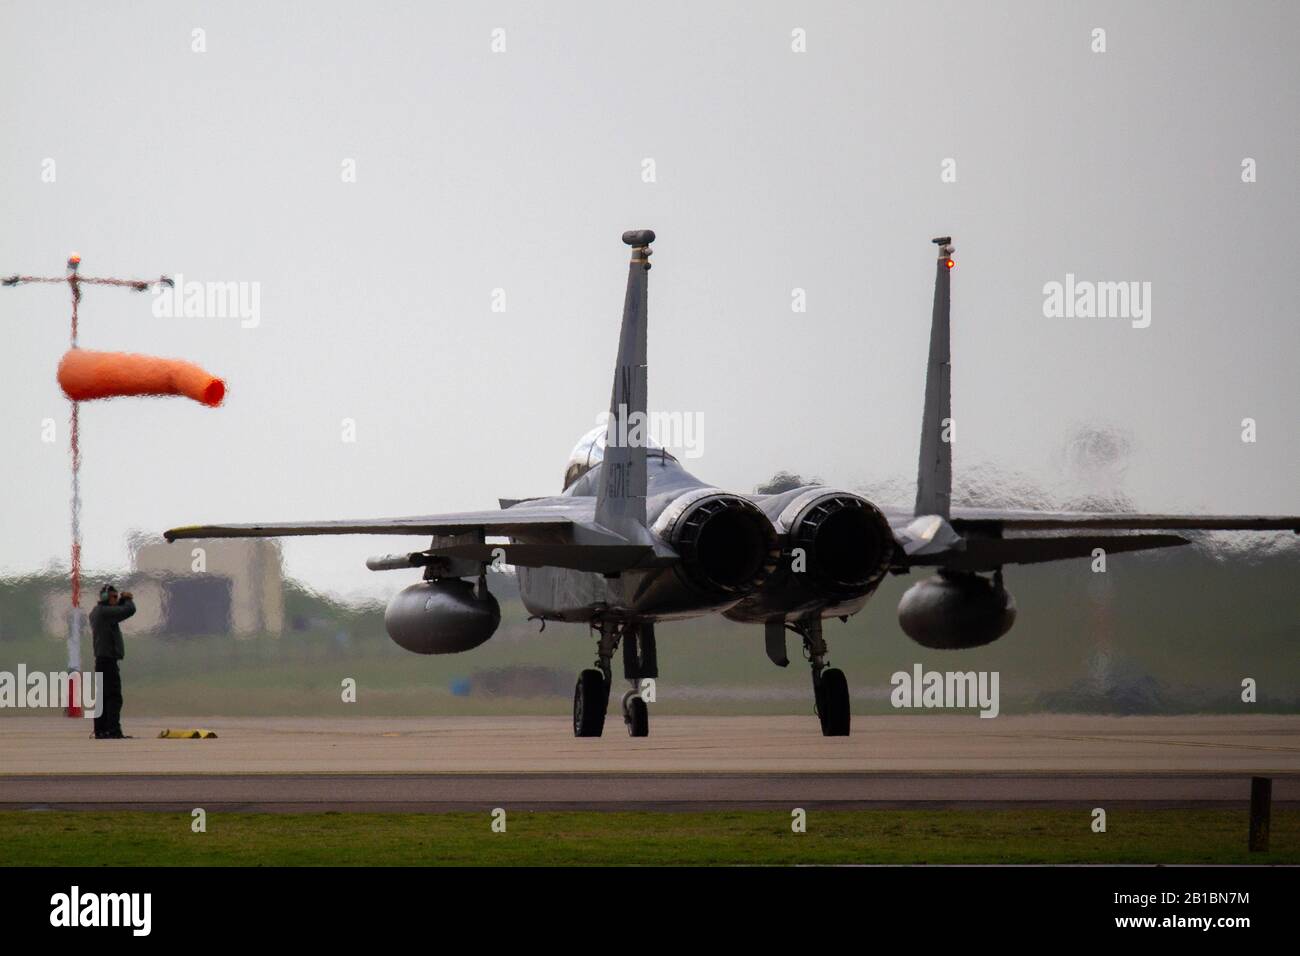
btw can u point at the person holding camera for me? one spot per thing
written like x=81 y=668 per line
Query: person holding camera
x=106 y=618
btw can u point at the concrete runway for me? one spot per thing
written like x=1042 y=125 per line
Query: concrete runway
x=449 y=763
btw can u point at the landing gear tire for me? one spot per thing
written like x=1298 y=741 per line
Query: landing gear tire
x=637 y=717
x=590 y=700
x=832 y=695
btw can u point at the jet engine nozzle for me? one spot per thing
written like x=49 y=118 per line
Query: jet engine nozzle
x=727 y=545
x=845 y=540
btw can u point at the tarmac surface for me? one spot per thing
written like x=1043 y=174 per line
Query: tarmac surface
x=447 y=763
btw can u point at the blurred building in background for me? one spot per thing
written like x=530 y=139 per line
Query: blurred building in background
x=233 y=586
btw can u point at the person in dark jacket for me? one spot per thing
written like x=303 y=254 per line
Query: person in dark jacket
x=106 y=618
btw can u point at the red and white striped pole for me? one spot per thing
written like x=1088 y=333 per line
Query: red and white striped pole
x=74 y=629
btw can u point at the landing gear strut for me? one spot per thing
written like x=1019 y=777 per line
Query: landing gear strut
x=830 y=689
x=591 y=695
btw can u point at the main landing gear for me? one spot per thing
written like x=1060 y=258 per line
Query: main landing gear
x=830 y=689
x=591 y=695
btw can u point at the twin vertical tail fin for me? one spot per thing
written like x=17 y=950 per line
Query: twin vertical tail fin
x=620 y=500
x=934 y=472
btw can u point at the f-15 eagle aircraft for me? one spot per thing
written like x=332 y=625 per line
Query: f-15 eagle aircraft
x=634 y=539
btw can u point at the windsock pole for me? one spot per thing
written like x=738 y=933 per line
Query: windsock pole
x=75 y=280
x=74 y=624
x=74 y=628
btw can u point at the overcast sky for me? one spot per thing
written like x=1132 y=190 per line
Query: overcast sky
x=774 y=170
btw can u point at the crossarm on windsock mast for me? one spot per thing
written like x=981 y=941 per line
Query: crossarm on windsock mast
x=934 y=470
x=620 y=498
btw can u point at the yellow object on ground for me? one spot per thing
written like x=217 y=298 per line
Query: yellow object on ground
x=187 y=734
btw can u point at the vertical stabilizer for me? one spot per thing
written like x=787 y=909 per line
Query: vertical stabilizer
x=934 y=472
x=620 y=501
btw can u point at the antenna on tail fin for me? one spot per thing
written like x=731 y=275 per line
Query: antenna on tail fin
x=934 y=472
x=620 y=500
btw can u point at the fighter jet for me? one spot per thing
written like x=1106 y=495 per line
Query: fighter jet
x=634 y=539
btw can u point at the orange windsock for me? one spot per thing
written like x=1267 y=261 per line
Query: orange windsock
x=85 y=375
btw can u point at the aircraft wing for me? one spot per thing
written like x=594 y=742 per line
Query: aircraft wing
x=511 y=521
x=558 y=533
x=990 y=519
x=972 y=539
x=989 y=554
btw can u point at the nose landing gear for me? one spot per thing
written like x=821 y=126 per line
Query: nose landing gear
x=830 y=688
x=636 y=714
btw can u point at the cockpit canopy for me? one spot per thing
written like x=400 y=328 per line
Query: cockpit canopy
x=590 y=451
